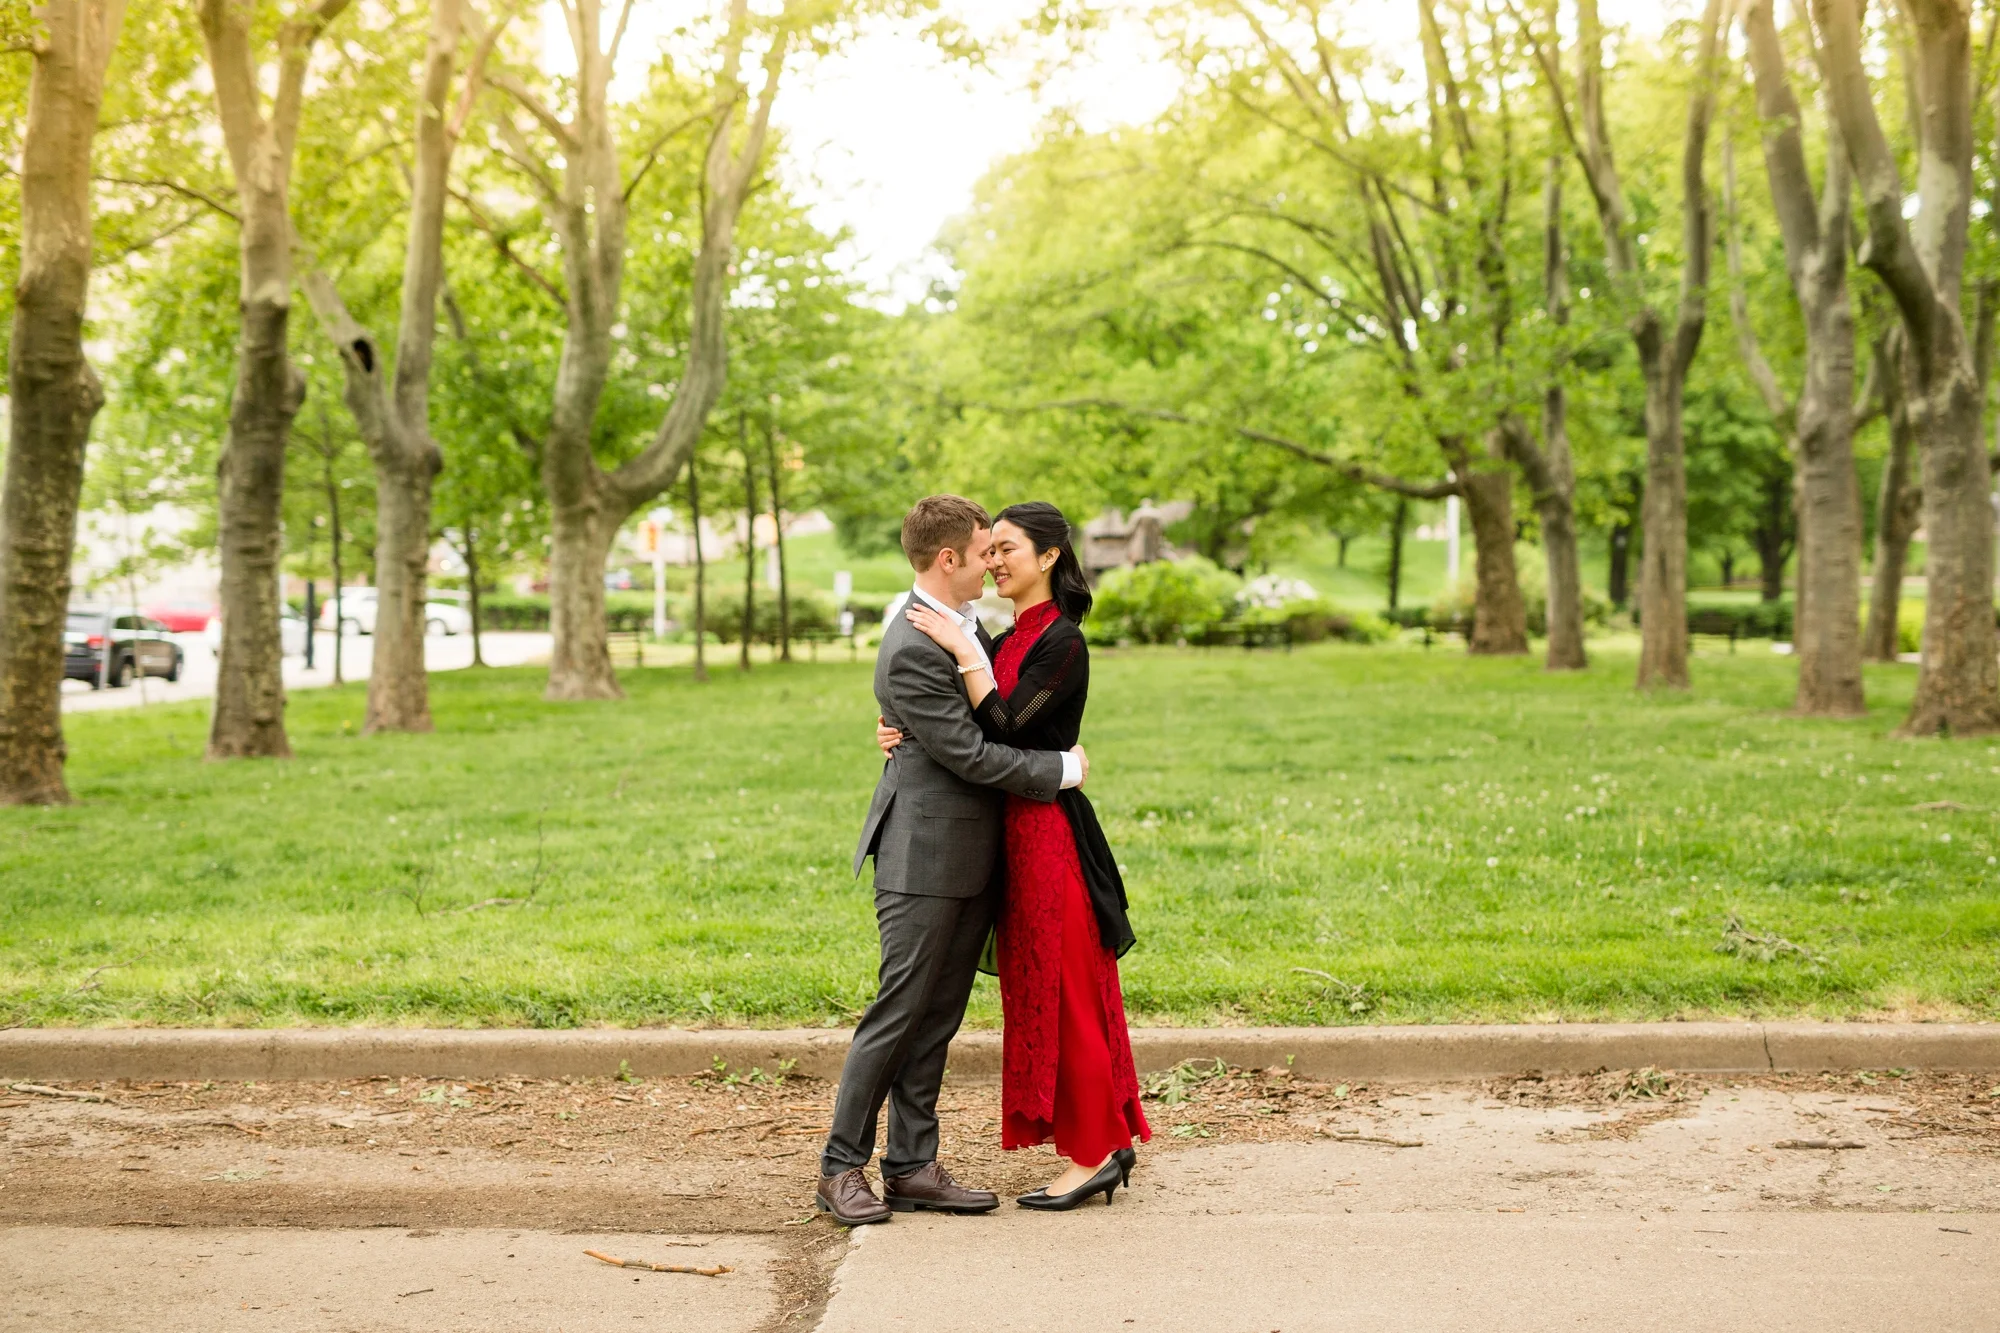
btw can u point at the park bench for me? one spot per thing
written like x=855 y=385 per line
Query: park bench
x=627 y=647
x=1717 y=624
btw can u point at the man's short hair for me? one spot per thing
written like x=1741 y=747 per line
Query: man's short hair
x=940 y=522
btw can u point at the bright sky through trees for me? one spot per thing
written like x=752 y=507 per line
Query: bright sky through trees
x=888 y=138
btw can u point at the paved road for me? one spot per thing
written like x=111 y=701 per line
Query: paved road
x=441 y=653
x=1507 y=1216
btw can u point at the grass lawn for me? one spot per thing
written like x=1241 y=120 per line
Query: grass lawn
x=1452 y=839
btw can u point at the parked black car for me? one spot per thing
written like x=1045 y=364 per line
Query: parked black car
x=113 y=647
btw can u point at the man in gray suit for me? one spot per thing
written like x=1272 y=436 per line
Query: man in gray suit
x=934 y=829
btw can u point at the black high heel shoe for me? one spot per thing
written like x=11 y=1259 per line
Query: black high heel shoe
x=1126 y=1159
x=1106 y=1182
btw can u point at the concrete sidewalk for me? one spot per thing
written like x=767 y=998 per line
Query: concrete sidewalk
x=1684 y=1213
x=1382 y=1053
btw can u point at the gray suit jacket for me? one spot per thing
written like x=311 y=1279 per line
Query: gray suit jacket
x=934 y=825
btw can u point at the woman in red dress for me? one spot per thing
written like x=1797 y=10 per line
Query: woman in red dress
x=1067 y=1071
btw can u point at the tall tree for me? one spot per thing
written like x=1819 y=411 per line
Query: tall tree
x=392 y=408
x=1665 y=340
x=54 y=393
x=249 y=717
x=1546 y=463
x=572 y=166
x=1920 y=259
x=1821 y=419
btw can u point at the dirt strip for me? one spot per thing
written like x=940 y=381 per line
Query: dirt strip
x=727 y=1153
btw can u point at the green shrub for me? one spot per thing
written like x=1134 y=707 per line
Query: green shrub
x=1163 y=602
x=1909 y=626
x=813 y=612
x=1311 y=619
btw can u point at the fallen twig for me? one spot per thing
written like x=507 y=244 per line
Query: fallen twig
x=40 y=1091
x=717 y=1271
x=1944 y=805
x=231 y=1124
x=489 y=902
x=1819 y=1143
x=1376 y=1138
x=722 y=1129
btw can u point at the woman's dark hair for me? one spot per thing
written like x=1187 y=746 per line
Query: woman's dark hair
x=1050 y=531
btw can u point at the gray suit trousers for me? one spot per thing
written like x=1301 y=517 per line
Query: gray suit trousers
x=930 y=955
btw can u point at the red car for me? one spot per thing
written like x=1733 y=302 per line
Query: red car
x=182 y=617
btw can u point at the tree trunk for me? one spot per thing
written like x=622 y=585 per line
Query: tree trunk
x=1620 y=574
x=54 y=393
x=584 y=193
x=249 y=717
x=1772 y=536
x=1499 y=615
x=326 y=453
x=1396 y=523
x=1898 y=505
x=1826 y=633
x=579 y=658
x=1728 y=567
x=393 y=412
x=1920 y=259
x=1958 y=690
x=700 y=573
x=398 y=689
x=472 y=592
x=1565 y=577
x=778 y=536
x=1663 y=637
x=1666 y=347
x=749 y=552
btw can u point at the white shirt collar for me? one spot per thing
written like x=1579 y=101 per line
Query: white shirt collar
x=964 y=613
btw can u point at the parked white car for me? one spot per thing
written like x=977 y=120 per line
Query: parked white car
x=291 y=634
x=358 y=607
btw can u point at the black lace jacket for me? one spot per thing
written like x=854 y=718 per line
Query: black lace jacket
x=1044 y=711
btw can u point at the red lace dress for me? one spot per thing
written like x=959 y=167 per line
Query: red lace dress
x=1067 y=1071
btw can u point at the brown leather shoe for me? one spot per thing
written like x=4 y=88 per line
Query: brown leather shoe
x=849 y=1199
x=931 y=1186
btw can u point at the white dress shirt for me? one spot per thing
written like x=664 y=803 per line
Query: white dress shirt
x=968 y=619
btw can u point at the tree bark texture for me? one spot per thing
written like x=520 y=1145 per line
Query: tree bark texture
x=1663 y=636
x=586 y=198
x=1499 y=615
x=580 y=655
x=1920 y=260
x=249 y=716
x=1826 y=633
x=54 y=392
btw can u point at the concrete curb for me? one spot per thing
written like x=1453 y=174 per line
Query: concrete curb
x=1383 y=1053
